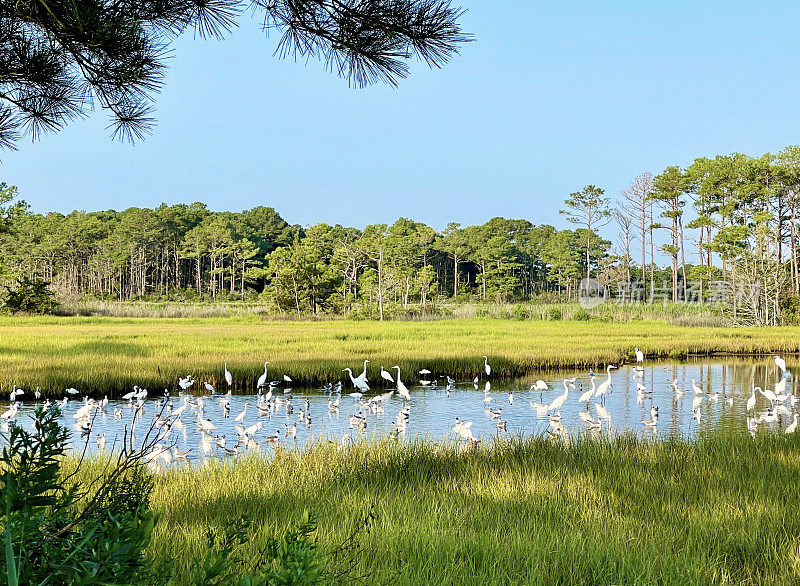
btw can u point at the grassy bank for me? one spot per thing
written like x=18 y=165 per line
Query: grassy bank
x=721 y=510
x=108 y=355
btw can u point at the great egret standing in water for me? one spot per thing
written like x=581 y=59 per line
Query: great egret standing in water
x=228 y=375
x=780 y=363
x=358 y=382
x=605 y=385
x=561 y=399
x=793 y=425
x=262 y=380
x=486 y=366
x=363 y=375
x=751 y=402
x=386 y=375
x=584 y=398
x=401 y=388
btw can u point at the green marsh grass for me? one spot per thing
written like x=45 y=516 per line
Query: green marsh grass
x=109 y=355
x=722 y=509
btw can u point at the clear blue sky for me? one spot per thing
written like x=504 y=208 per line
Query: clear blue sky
x=546 y=100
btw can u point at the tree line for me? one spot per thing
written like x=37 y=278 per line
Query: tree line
x=729 y=220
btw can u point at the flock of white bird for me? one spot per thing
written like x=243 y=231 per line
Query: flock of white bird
x=172 y=414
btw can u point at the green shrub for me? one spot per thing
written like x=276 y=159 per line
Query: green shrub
x=520 y=312
x=580 y=315
x=56 y=532
x=32 y=296
x=554 y=313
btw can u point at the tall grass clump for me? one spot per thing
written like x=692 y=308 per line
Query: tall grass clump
x=717 y=510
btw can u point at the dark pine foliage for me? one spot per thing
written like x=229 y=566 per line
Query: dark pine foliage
x=60 y=58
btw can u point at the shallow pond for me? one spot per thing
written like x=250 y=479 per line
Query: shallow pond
x=724 y=387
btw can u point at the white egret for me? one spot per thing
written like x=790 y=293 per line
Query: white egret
x=228 y=375
x=586 y=395
x=401 y=388
x=540 y=408
x=241 y=415
x=486 y=366
x=250 y=431
x=751 y=402
x=696 y=389
x=11 y=413
x=639 y=355
x=462 y=429
x=286 y=378
x=363 y=375
x=262 y=380
x=769 y=395
x=386 y=375
x=792 y=426
x=780 y=363
x=358 y=382
x=561 y=399
x=424 y=371
x=205 y=424
x=606 y=384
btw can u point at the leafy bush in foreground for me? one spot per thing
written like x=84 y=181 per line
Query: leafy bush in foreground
x=60 y=528
x=58 y=532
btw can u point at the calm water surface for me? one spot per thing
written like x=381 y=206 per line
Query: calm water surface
x=725 y=385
